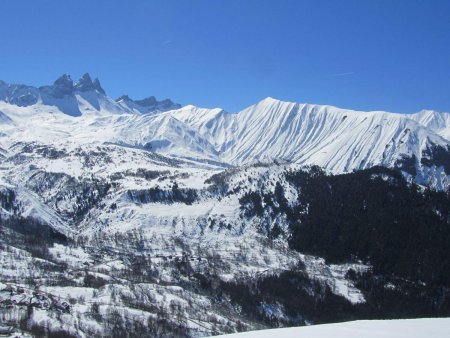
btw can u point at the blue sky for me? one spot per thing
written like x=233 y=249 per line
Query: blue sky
x=371 y=55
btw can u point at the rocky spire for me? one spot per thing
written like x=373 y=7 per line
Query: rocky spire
x=85 y=84
x=63 y=86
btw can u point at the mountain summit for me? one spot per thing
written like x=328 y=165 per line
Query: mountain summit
x=63 y=86
x=85 y=84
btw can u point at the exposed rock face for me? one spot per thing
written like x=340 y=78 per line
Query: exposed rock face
x=148 y=104
x=63 y=86
x=149 y=101
x=85 y=84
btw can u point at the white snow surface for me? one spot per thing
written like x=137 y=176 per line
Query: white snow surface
x=407 y=328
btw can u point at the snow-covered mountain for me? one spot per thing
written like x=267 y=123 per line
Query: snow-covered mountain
x=86 y=95
x=438 y=122
x=146 y=218
x=336 y=139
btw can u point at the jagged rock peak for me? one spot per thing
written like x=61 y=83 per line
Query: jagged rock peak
x=124 y=97
x=64 y=79
x=150 y=101
x=85 y=83
x=63 y=86
x=147 y=102
x=98 y=86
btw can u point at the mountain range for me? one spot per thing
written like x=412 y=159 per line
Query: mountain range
x=144 y=218
x=340 y=140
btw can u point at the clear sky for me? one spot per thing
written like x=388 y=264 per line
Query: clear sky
x=389 y=55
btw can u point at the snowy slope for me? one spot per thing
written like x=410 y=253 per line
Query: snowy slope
x=411 y=328
x=162 y=133
x=336 y=139
x=339 y=140
x=438 y=122
x=216 y=125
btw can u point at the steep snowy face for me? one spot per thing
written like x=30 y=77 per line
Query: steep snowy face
x=216 y=125
x=337 y=139
x=438 y=122
x=160 y=133
x=163 y=134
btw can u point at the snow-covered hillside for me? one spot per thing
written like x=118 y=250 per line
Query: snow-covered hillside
x=411 y=328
